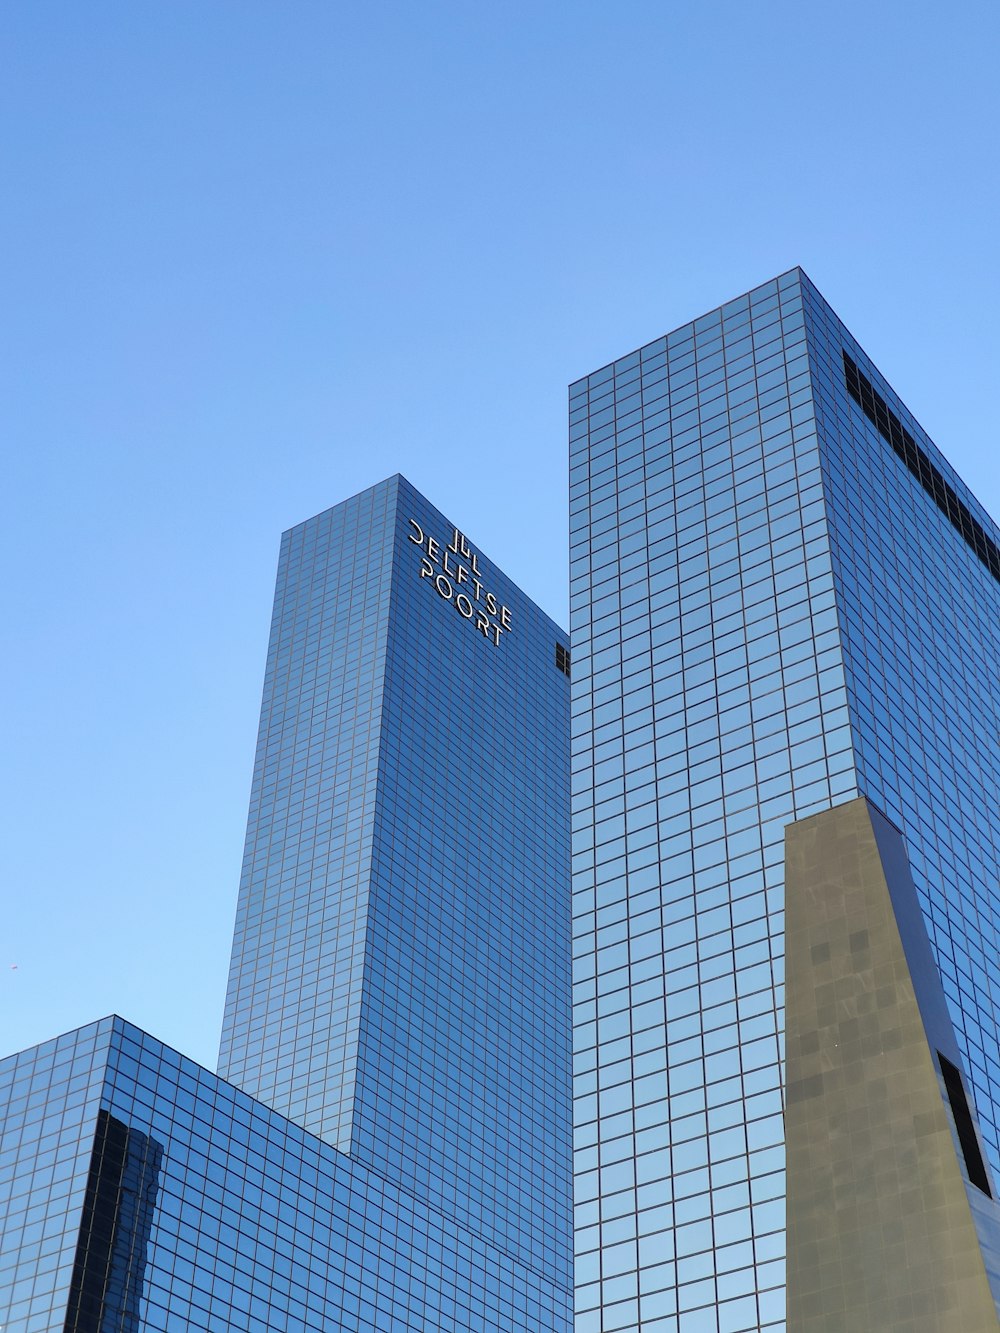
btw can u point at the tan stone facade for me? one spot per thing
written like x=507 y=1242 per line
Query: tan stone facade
x=881 y=1237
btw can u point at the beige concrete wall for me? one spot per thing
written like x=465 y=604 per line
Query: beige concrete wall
x=880 y=1233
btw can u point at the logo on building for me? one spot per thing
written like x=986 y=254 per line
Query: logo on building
x=455 y=575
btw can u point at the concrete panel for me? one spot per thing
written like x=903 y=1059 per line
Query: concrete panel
x=881 y=1237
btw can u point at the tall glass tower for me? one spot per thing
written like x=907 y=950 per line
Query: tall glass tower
x=387 y=1143
x=786 y=855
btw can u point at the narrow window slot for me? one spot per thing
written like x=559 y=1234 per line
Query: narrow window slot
x=967 y=1137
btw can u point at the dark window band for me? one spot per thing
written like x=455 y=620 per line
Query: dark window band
x=889 y=426
x=118 y=1206
x=967 y=1138
x=562 y=659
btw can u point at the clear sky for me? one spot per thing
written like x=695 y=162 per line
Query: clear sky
x=257 y=256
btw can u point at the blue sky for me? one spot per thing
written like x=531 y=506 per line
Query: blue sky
x=260 y=255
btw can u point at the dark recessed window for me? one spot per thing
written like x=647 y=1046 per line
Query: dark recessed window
x=118 y=1206
x=967 y=1136
x=889 y=426
x=562 y=659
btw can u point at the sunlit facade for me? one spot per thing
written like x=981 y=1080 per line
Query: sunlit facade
x=783 y=600
x=387 y=1143
x=785 y=853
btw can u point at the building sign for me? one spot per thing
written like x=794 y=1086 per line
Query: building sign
x=455 y=576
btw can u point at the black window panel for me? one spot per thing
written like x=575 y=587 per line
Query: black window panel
x=118 y=1207
x=889 y=426
x=967 y=1136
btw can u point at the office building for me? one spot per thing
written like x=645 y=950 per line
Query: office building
x=785 y=834
x=387 y=1143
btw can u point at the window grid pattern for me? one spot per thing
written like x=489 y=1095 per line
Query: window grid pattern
x=293 y=1006
x=49 y=1100
x=920 y=612
x=463 y=1088
x=401 y=964
x=258 y=1226
x=709 y=710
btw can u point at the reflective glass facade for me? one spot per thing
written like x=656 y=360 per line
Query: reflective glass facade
x=233 y=1217
x=772 y=614
x=387 y=1143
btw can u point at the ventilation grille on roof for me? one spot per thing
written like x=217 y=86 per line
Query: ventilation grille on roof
x=889 y=426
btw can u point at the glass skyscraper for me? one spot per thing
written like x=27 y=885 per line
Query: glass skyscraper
x=785 y=979
x=785 y=696
x=387 y=1143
